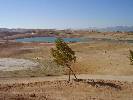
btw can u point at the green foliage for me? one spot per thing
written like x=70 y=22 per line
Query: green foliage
x=63 y=54
x=131 y=57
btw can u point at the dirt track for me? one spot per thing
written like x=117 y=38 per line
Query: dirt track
x=64 y=77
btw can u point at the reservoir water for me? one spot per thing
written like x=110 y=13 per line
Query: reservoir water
x=52 y=39
x=46 y=39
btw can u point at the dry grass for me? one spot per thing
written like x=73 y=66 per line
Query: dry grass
x=103 y=58
x=92 y=58
x=62 y=90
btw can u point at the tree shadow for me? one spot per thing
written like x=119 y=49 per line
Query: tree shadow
x=99 y=83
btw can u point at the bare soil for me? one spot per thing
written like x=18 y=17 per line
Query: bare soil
x=12 y=64
x=82 y=89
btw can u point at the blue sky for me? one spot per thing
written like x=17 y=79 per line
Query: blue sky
x=65 y=13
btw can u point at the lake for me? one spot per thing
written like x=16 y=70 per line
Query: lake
x=47 y=39
x=52 y=39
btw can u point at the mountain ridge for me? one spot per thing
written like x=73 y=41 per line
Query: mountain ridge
x=106 y=29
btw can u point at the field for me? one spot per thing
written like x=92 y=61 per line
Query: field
x=93 y=58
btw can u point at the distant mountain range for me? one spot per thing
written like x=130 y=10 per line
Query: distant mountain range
x=107 y=29
x=114 y=29
x=12 y=30
x=110 y=29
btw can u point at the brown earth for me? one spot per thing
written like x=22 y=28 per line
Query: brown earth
x=105 y=58
x=82 y=89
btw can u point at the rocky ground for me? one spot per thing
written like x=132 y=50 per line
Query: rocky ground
x=83 y=89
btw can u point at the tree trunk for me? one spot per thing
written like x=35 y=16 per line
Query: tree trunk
x=72 y=72
x=69 y=76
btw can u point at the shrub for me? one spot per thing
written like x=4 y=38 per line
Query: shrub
x=131 y=57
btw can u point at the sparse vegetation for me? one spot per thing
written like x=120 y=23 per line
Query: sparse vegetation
x=49 y=80
x=131 y=57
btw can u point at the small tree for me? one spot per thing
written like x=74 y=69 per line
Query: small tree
x=64 y=55
x=131 y=57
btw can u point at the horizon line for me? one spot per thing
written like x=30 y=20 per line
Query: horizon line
x=91 y=27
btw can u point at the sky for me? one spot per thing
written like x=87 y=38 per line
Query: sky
x=62 y=14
